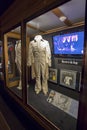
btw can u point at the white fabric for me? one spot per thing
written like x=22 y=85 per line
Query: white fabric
x=18 y=59
x=39 y=45
x=39 y=58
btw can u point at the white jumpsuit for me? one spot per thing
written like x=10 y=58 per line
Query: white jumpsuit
x=39 y=58
x=18 y=60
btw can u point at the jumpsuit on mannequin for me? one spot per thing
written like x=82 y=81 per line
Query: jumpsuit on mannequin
x=18 y=60
x=40 y=59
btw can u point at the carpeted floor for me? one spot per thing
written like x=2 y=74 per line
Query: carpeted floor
x=9 y=115
x=15 y=116
x=3 y=123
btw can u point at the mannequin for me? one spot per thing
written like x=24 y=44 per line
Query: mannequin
x=39 y=59
x=18 y=60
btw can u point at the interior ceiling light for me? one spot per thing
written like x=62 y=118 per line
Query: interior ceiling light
x=62 y=18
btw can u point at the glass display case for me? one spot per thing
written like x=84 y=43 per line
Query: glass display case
x=12 y=49
x=44 y=61
x=54 y=79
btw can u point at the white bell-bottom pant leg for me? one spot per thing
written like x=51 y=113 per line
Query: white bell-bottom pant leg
x=44 y=71
x=38 y=77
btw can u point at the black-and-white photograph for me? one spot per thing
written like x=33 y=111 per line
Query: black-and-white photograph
x=68 y=78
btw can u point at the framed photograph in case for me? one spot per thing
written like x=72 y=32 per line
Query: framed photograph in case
x=68 y=78
x=53 y=75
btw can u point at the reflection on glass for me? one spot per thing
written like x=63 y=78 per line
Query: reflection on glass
x=45 y=93
x=13 y=60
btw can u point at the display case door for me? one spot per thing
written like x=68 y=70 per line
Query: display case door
x=9 y=75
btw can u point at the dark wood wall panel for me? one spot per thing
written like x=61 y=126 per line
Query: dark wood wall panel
x=82 y=117
x=21 y=10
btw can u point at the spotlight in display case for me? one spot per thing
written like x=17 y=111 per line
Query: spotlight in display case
x=53 y=75
x=68 y=78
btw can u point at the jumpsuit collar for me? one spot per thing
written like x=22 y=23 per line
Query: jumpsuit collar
x=38 y=38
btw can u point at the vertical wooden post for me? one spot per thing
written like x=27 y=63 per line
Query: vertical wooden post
x=24 y=59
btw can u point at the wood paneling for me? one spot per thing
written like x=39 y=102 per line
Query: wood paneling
x=82 y=117
x=59 y=14
x=25 y=9
x=35 y=28
x=7 y=76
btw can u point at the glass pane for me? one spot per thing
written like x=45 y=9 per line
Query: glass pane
x=13 y=60
x=54 y=63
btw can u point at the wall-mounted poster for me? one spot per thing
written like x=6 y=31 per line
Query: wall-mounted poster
x=68 y=78
x=53 y=75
